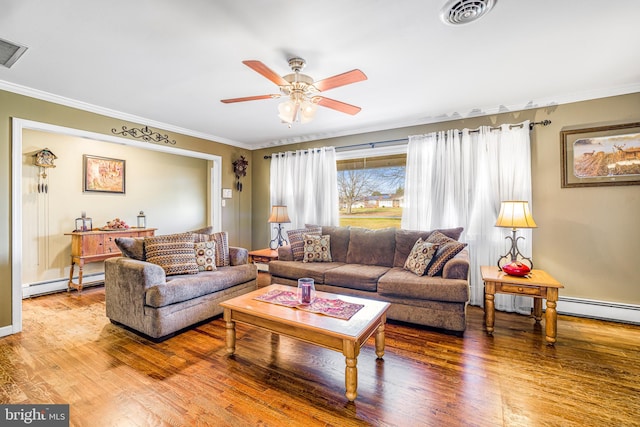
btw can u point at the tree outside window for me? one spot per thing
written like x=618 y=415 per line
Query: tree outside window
x=371 y=191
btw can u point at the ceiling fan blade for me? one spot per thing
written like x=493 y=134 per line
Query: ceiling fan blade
x=347 y=78
x=343 y=107
x=267 y=72
x=250 y=98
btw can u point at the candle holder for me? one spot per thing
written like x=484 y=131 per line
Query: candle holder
x=306 y=290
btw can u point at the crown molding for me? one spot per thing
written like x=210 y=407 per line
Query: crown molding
x=475 y=112
x=68 y=102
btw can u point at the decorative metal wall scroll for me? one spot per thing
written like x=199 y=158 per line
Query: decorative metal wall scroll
x=145 y=134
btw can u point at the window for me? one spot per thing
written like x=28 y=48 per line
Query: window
x=371 y=190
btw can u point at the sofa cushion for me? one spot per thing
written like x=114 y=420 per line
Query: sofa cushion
x=173 y=252
x=222 y=246
x=317 y=248
x=296 y=240
x=206 y=255
x=131 y=247
x=371 y=247
x=405 y=239
x=398 y=282
x=296 y=269
x=420 y=257
x=355 y=276
x=185 y=287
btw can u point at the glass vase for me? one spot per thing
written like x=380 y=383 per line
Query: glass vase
x=306 y=290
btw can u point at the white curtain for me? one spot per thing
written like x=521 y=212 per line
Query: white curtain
x=306 y=182
x=458 y=178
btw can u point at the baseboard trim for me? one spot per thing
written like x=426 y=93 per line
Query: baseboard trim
x=52 y=286
x=6 y=330
x=602 y=310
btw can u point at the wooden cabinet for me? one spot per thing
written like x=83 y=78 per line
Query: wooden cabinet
x=95 y=246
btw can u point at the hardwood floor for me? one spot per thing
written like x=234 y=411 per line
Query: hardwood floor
x=68 y=352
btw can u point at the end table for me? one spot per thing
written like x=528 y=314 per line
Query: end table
x=538 y=284
x=263 y=255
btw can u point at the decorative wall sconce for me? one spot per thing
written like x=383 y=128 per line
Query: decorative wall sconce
x=44 y=159
x=240 y=169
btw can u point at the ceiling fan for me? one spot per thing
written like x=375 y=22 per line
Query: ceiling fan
x=302 y=91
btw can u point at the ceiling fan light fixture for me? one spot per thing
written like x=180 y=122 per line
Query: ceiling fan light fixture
x=460 y=12
x=287 y=111
x=307 y=111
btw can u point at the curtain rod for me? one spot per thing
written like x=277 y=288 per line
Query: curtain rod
x=390 y=141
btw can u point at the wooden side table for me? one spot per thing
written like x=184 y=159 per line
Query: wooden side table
x=539 y=285
x=263 y=255
x=97 y=245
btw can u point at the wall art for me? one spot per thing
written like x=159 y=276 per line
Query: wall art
x=104 y=175
x=598 y=156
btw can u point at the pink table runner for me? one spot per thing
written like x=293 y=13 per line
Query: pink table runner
x=328 y=307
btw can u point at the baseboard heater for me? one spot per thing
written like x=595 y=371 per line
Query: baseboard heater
x=57 y=285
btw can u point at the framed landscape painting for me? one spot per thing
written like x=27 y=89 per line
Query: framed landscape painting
x=104 y=175
x=597 y=156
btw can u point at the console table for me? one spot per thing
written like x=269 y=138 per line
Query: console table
x=95 y=246
x=539 y=284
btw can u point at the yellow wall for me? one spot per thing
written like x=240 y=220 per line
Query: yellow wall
x=587 y=237
x=236 y=215
x=46 y=217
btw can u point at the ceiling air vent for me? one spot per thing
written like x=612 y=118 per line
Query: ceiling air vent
x=458 y=12
x=10 y=52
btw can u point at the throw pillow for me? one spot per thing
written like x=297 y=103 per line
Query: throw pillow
x=206 y=256
x=222 y=246
x=296 y=240
x=438 y=237
x=445 y=252
x=317 y=248
x=174 y=253
x=131 y=247
x=420 y=257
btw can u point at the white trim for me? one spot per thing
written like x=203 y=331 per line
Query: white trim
x=603 y=310
x=18 y=125
x=487 y=111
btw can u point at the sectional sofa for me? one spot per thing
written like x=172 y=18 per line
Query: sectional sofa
x=373 y=264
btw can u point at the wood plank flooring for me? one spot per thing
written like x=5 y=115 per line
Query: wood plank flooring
x=69 y=352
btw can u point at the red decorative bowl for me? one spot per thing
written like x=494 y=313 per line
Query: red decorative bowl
x=516 y=268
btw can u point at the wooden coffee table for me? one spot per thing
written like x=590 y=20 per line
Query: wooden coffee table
x=345 y=336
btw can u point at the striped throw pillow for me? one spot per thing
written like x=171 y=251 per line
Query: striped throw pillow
x=173 y=252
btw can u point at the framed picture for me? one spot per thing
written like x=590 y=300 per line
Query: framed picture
x=103 y=175
x=597 y=156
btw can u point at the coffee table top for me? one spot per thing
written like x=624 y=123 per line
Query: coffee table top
x=350 y=329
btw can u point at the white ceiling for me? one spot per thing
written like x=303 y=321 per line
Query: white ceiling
x=167 y=63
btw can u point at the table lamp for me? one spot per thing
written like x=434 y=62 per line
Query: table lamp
x=515 y=214
x=278 y=216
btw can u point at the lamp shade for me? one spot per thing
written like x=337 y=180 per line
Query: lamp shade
x=279 y=215
x=515 y=214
